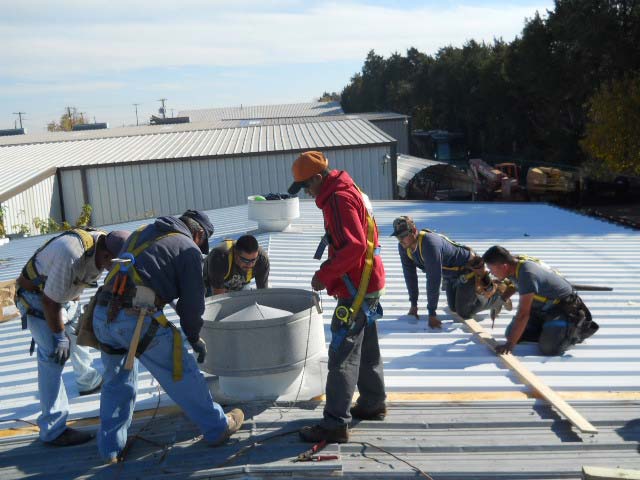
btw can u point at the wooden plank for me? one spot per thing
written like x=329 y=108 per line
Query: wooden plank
x=500 y=396
x=528 y=377
x=600 y=473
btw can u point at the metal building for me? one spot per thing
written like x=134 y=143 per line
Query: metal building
x=288 y=110
x=393 y=124
x=167 y=170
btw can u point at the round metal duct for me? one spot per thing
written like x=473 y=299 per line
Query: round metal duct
x=285 y=329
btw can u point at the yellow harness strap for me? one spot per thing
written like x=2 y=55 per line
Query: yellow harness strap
x=421 y=236
x=177 y=344
x=538 y=298
x=230 y=244
x=88 y=245
x=368 y=267
x=158 y=316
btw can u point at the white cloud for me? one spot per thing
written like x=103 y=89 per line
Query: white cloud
x=205 y=33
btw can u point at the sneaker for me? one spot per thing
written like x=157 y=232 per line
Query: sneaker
x=317 y=433
x=234 y=421
x=362 y=413
x=71 y=437
x=93 y=390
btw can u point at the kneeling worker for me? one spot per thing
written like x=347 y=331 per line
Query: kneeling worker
x=48 y=286
x=467 y=285
x=549 y=312
x=231 y=265
x=160 y=262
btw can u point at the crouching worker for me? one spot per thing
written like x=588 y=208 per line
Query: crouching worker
x=159 y=263
x=233 y=263
x=354 y=273
x=48 y=288
x=467 y=284
x=549 y=311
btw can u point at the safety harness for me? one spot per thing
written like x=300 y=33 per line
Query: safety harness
x=230 y=246
x=158 y=319
x=421 y=236
x=346 y=314
x=30 y=272
x=538 y=298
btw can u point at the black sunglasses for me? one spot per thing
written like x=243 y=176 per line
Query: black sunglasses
x=248 y=261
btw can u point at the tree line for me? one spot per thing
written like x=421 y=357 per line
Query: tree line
x=566 y=90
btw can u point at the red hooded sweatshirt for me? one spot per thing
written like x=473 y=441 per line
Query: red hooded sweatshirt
x=345 y=220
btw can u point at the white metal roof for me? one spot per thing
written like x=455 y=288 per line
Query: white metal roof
x=417 y=359
x=24 y=163
x=243 y=112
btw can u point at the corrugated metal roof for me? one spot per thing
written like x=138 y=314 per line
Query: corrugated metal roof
x=310 y=109
x=503 y=440
x=409 y=165
x=22 y=163
x=373 y=116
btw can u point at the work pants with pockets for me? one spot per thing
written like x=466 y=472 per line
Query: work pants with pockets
x=54 y=403
x=549 y=329
x=463 y=299
x=356 y=362
x=118 y=397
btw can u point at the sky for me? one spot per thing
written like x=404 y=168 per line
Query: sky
x=102 y=57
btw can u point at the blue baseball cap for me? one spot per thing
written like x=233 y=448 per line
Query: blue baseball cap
x=206 y=225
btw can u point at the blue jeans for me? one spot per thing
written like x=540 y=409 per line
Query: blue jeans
x=53 y=396
x=119 y=390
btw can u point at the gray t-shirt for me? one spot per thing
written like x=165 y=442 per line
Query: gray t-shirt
x=68 y=270
x=540 y=279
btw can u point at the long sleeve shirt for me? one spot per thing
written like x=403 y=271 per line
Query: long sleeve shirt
x=431 y=255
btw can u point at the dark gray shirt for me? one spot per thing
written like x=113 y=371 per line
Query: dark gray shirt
x=216 y=267
x=436 y=252
x=532 y=277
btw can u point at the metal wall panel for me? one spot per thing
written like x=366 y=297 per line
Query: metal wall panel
x=121 y=193
x=72 y=194
x=398 y=129
x=41 y=200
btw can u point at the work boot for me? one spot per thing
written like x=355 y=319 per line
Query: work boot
x=234 y=421
x=363 y=413
x=93 y=390
x=317 y=433
x=71 y=437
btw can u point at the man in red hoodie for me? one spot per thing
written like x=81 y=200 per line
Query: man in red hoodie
x=354 y=274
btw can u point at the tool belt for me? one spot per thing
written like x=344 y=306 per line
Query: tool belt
x=132 y=304
x=580 y=323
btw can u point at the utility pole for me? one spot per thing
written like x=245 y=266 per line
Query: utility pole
x=162 y=110
x=20 y=116
x=136 y=105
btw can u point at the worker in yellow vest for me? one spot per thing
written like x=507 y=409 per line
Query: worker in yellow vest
x=231 y=266
x=48 y=289
x=550 y=312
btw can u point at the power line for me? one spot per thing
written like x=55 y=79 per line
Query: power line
x=163 y=110
x=136 y=105
x=20 y=114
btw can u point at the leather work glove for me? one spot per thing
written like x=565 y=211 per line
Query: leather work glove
x=200 y=347
x=61 y=349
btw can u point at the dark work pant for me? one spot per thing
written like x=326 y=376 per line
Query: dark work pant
x=462 y=297
x=548 y=329
x=356 y=362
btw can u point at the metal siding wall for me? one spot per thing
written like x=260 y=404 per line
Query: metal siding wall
x=40 y=200
x=366 y=168
x=72 y=194
x=398 y=130
x=124 y=193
